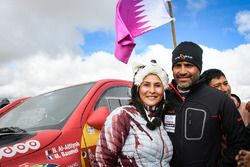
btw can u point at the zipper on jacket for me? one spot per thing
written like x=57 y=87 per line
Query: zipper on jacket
x=182 y=131
x=182 y=114
x=162 y=146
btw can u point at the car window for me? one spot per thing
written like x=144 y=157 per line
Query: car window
x=114 y=97
x=49 y=110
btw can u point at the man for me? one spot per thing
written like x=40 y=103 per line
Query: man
x=248 y=106
x=4 y=102
x=217 y=79
x=237 y=101
x=243 y=157
x=199 y=115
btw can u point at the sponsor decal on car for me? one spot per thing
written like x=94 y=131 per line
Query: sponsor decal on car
x=37 y=165
x=21 y=148
x=75 y=165
x=91 y=130
x=62 y=151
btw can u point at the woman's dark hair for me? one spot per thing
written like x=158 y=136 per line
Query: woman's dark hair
x=159 y=113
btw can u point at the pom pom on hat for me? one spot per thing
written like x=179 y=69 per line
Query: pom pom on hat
x=142 y=70
x=189 y=52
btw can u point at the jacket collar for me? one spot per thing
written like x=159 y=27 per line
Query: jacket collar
x=197 y=84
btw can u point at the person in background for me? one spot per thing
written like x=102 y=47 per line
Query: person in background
x=243 y=157
x=248 y=106
x=236 y=100
x=199 y=116
x=4 y=102
x=134 y=135
x=217 y=79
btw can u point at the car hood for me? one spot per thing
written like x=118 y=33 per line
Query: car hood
x=23 y=147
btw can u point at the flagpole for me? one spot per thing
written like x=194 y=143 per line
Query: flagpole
x=172 y=22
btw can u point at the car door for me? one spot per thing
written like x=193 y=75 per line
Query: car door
x=106 y=99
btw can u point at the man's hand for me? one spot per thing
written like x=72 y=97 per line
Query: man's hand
x=243 y=158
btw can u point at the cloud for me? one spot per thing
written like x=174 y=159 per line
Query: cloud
x=40 y=47
x=196 y=5
x=28 y=27
x=242 y=20
x=233 y=63
x=42 y=72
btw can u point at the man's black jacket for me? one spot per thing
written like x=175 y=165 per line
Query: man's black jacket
x=200 y=123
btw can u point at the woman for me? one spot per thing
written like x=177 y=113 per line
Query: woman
x=134 y=135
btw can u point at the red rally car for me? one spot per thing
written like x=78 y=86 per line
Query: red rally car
x=59 y=128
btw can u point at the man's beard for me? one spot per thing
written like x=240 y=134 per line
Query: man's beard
x=187 y=85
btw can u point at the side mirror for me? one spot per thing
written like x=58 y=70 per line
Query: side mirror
x=98 y=117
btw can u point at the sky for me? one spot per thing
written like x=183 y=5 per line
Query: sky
x=46 y=45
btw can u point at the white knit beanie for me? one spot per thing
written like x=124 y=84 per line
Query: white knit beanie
x=142 y=70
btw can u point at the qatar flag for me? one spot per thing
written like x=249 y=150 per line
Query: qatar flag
x=133 y=18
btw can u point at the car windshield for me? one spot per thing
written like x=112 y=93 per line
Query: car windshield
x=46 y=111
